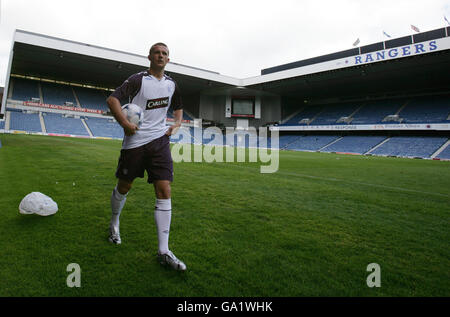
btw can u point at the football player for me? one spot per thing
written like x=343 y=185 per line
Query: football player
x=147 y=148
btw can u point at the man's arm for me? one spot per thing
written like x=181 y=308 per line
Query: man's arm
x=116 y=110
x=177 y=116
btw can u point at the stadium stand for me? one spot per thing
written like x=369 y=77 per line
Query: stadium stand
x=304 y=116
x=285 y=140
x=429 y=109
x=57 y=94
x=333 y=113
x=405 y=146
x=445 y=154
x=354 y=144
x=104 y=127
x=25 y=89
x=376 y=111
x=2 y=124
x=21 y=121
x=56 y=123
x=91 y=98
x=311 y=142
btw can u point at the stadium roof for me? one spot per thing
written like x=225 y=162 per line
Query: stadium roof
x=57 y=59
x=415 y=64
x=412 y=64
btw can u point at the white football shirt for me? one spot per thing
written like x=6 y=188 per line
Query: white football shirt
x=154 y=96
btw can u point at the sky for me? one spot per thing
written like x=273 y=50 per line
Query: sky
x=236 y=38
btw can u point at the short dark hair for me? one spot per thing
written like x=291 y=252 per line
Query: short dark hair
x=158 y=44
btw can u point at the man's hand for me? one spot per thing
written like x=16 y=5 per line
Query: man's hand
x=129 y=128
x=172 y=129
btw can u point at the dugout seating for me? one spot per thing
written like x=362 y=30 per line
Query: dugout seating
x=404 y=146
x=104 y=127
x=354 y=144
x=91 y=98
x=24 y=89
x=57 y=94
x=56 y=123
x=22 y=121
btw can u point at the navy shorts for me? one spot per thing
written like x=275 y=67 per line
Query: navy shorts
x=153 y=157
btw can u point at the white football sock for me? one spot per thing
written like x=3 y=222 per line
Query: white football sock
x=163 y=214
x=117 y=203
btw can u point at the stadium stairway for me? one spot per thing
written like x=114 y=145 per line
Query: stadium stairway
x=377 y=146
x=332 y=142
x=7 y=120
x=41 y=119
x=441 y=149
x=291 y=116
x=444 y=154
x=87 y=128
x=350 y=117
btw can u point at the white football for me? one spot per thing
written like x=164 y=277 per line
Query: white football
x=134 y=113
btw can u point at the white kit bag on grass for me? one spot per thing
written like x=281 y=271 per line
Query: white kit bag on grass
x=37 y=203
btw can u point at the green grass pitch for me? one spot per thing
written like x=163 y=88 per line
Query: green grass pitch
x=310 y=229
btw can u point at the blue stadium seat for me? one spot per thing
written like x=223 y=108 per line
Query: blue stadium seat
x=57 y=94
x=25 y=89
x=308 y=113
x=422 y=147
x=333 y=113
x=355 y=144
x=445 y=154
x=25 y=121
x=311 y=142
x=56 y=123
x=91 y=98
x=429 y=109
x=104 y=128
x=376 y=111
x=285 y=140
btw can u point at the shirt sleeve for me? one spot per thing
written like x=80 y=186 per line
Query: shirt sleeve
x=129 y=88
x=176 y=102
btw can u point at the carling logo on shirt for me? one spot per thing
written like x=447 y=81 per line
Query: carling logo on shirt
x=157 y=103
